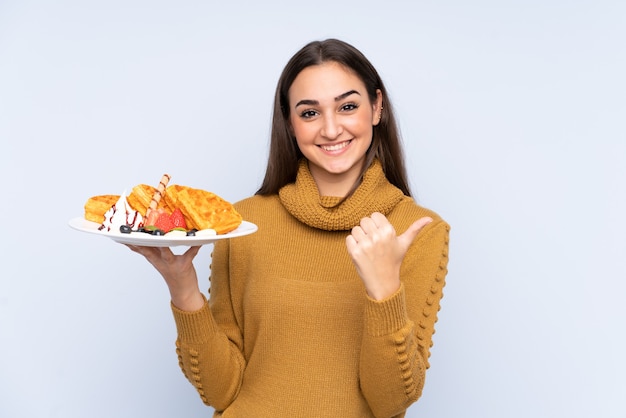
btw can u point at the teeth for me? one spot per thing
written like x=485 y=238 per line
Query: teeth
x=335 y=147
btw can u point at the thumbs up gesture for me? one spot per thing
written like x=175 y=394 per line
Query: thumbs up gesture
x=377 y=252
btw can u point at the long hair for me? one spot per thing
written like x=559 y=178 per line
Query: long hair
x=284 y=154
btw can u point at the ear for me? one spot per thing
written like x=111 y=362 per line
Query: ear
x=377 y=108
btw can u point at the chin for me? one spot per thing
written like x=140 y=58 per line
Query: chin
x=342 y=168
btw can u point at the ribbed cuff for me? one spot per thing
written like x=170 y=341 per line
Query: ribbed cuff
x=194 y=327
x=386 y=316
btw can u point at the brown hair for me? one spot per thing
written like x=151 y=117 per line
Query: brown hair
x=284 y=154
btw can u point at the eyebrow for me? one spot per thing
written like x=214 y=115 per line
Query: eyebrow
x=342 y=96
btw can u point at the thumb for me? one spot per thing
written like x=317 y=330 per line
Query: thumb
x=409 y=235
x=192 y=251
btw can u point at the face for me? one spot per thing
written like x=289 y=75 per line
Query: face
x=332 y=118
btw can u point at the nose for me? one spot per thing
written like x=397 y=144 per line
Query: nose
x=332 y=127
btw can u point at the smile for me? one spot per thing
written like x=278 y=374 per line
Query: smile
x=335 y=147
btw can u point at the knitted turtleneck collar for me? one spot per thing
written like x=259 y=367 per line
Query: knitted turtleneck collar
x=302 y=200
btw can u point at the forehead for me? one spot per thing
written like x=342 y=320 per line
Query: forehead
x=325 y=80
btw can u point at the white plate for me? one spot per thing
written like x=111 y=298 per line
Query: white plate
x=142 y=238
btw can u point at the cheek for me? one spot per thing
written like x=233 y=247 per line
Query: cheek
x=294 y=125
x=360 y=126
x=302 y=131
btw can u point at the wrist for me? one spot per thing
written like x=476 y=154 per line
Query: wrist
x=383 y=290
x=190 y=302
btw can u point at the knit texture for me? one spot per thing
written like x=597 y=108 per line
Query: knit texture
x=288 y=330
x=303 y=201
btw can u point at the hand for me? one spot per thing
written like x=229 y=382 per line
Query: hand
x=179 y=274
x=377 y=252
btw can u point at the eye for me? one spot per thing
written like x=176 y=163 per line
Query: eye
x=308 y=114
x=349 y=107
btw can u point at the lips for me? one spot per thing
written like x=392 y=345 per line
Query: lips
x=335 y=147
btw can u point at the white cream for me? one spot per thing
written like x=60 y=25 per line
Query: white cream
x=205 y=232
x=121 y=213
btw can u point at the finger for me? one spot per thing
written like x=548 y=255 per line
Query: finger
x=368 y=225
x=192 y=252
x=166 y=254
x=412 y=231
x=139 y=249
x=358 y=234
x=383 y=226
x=351 y=244
x=379 y=219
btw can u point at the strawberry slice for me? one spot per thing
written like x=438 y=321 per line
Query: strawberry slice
x=178 y=219
x=164 y=223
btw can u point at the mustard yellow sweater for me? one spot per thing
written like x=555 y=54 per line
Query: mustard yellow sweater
x=289 y=330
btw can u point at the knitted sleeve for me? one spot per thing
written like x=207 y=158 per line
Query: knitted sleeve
x=398 y=330
x=209 y=341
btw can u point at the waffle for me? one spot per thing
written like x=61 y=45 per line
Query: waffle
x=140 y=198
x=171 y=196
x=205 y=210
x=96 y=207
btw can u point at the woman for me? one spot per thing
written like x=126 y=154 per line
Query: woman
x=325 y=311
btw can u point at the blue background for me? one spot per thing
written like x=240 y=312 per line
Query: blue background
x=513 y=116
